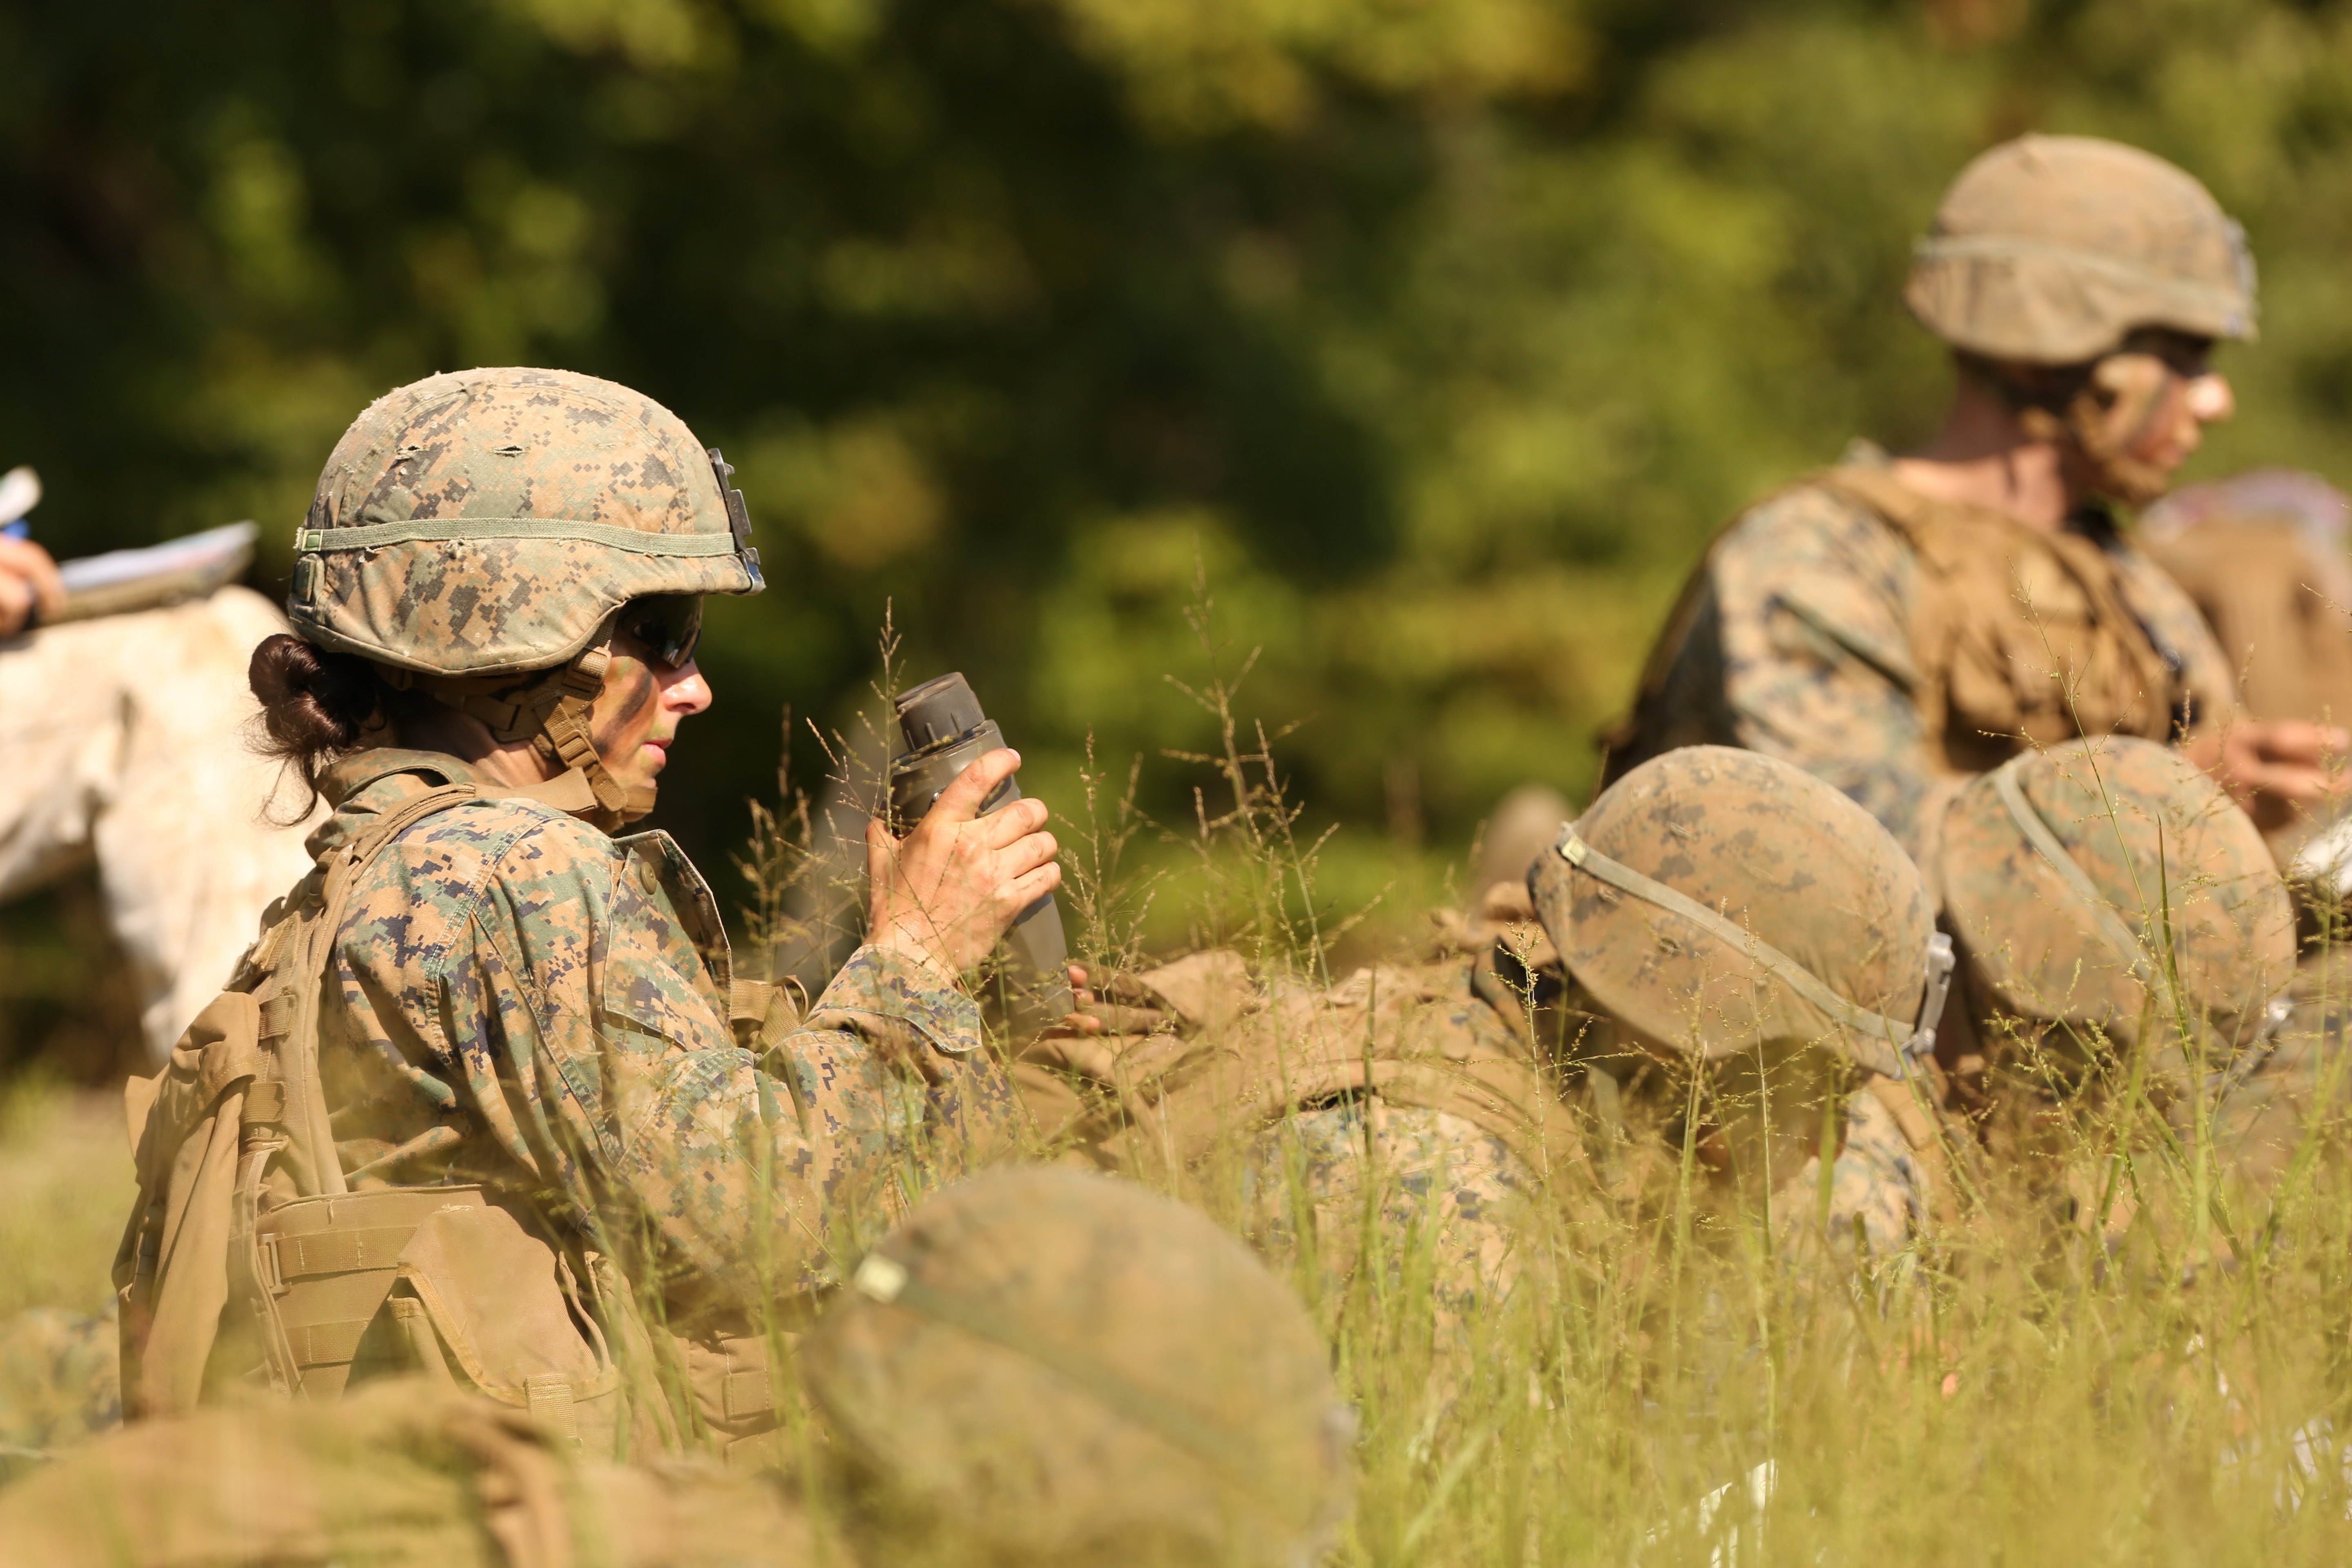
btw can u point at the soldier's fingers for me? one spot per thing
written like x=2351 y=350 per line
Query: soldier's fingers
x=2311 y=742
x=2291 y=782
x=881 y=850
x=1015 y=822
x=1027 y=854
x=1022 y=892
x=2297 y=785
x=16 y=604
x=30 y=565
x=959 y=802
x=2291 y=741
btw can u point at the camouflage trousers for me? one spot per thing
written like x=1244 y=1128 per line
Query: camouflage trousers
x=1431 y=1197
x=125 y=740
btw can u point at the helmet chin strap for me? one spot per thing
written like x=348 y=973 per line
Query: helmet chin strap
x=2108 y=467
x=553 y=715
x=2100 y=422
x=564 y=739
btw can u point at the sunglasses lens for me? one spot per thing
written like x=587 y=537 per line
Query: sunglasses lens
x=667 y=624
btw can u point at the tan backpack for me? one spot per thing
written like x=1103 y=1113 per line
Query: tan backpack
x=249 y=1259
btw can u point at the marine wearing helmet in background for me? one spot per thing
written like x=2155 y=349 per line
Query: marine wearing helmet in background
x=477 y=1100
x=1892 y=625
x=1036 y=1367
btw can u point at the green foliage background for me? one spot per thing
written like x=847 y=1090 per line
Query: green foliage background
x=1440 y=332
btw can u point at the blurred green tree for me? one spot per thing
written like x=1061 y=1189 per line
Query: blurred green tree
x=1438 y=333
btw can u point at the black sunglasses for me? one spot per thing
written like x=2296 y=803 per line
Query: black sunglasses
x=668 y=625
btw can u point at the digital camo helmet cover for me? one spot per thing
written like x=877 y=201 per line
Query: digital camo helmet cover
x=484 y=523
x=1811 y=923
x=1057 y=1367
x=2063 y=869
x=2049 y=249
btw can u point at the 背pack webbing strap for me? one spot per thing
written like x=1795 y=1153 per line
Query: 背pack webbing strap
x=306 y=972
x=1874 y=1041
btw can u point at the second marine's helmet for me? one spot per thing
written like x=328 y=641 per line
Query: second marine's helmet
x=2049 y=249
x=2111 y=885
x=1717 y=900
x=478 y=528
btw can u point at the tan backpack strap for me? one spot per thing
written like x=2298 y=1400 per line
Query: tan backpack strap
x=1262 y=1068
x=293 y=1003
x=1878 y=491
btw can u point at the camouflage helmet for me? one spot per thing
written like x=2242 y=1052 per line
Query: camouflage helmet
x=1716 y=900
x=490 y=521
x=2058 y=865
x=2049 y=249
x=485 y=524
x=1067 y=1368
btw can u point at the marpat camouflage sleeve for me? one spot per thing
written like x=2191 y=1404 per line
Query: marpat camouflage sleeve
x=1808 y=596
x=535 y=1005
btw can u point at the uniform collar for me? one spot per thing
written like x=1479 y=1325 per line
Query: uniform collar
x=354 y=773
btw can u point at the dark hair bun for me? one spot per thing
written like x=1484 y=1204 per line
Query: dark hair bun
x=314 y=704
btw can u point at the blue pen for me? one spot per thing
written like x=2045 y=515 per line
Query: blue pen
x=20 y=529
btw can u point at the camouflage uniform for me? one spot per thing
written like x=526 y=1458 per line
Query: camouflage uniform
x=1428 y=1192
x=126 y=742
x=1365 y=1177
x=1395 y=1127
x=2285 y=1102
x=520 y=1000
x=1875 y=636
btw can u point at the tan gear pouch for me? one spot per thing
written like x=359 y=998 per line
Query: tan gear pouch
x=493 y=1307
x=2018 y=635
x=172 y=1272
